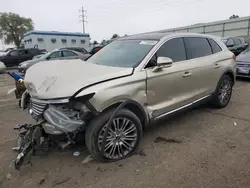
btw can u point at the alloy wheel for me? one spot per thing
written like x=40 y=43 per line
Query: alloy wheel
x=121 y=138
x=225 y=91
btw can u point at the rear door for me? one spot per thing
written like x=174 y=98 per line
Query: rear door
x=199 y=54
x=218 y=59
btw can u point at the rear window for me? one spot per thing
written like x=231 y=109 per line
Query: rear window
x=197 y=47
x=215 y=47
x=237 y=41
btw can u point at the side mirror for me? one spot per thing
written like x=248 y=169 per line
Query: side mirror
x=163 y=62
x=48 y=58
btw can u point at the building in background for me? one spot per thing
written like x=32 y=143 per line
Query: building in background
x=51 y=40
x=232 y=27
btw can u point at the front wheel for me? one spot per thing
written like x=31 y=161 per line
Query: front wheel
x=223 y=92
x=122 y=138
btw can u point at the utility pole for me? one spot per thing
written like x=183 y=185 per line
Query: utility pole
x=83 y=18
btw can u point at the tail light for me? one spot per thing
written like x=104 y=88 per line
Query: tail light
x=234 y=57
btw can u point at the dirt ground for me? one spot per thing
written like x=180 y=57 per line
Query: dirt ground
x=214 y=151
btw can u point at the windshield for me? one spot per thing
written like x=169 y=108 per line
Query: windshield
x=37 y=56
x=123 y=53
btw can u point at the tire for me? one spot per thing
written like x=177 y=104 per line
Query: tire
x=95 y=130
x=217 y=98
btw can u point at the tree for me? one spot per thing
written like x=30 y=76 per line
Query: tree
x=95 y=42
x=115 y=36
x=233 y=16
x=13 y=27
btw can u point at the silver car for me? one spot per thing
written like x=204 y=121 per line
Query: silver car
x=54 y=55
x=130 y=83
x=243 y=64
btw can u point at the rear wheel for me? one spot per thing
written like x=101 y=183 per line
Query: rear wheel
x=122 y=139
x=223 y=92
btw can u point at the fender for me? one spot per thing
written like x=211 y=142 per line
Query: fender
x=230 y=72
x=132 y=105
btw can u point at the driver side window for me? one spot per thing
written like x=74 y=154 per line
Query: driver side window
x=55 y=55
x=14 y=53
x=173 y=48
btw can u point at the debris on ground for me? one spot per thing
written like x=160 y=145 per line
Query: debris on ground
x=235 y=124
x=41 y=181
x=60 y=181
x=15 y=148
x=120 y=165
x=99 y=169
x=8 y=176
x=76 y=153
x=142 y=153
x=163 y=139
x=230 y=145
x=87 y=159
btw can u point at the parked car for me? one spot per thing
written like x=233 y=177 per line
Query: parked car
x=131 y=82
x=235 y=44
x=38 y=56
x=2 y=53
x=56 y=54
x=2 y=67
x=14 y=57
x=78 y=49
x=243 y=64
x=246 y=45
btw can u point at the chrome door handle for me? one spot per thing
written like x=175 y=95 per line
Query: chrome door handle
x=216 y=65
x=186 y=74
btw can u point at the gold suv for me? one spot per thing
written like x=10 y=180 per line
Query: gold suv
x=131 y=82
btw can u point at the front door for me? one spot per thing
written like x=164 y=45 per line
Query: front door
x=24 y=56
x=166 y=88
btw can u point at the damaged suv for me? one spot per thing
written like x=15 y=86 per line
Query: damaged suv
x=114 y=95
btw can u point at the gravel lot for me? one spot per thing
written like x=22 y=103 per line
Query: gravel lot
x=214 y=151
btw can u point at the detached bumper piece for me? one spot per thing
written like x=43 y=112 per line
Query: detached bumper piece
x=30 y=141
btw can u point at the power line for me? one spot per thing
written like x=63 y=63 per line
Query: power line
x=83 y=18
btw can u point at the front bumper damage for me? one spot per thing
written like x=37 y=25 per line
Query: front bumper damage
x=55 y=120
x=30 y=142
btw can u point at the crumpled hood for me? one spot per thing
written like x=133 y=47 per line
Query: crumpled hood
x=63 y=78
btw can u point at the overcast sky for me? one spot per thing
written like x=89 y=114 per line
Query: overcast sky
x=107 y=17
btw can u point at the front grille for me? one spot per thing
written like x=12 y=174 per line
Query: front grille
x=243 y=65
x=37 y=107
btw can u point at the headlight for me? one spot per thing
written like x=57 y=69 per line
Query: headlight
x=23 y=65
x=52 y=101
